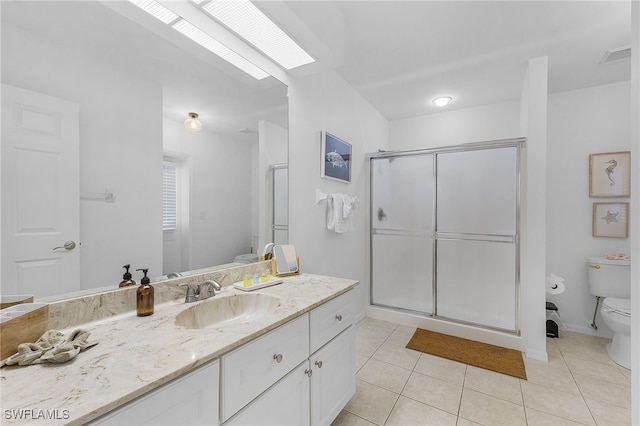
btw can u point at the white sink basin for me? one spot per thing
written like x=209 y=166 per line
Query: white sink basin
x=218 y=310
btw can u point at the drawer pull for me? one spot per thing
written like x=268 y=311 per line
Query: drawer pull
x=319 y=364
x=278 y=358
x=308 y=372
x=594 y=266
x=339 y=317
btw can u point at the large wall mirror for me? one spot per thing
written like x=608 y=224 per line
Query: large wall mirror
x=126 y=82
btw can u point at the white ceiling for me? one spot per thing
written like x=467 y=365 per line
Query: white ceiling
x=122 y=38
x=400 y=54
x=397 y=54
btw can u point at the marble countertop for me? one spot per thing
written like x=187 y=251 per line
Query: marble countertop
x=137 y=354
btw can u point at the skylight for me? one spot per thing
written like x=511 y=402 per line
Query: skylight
x=156 y=10
x=186 y=28
x=213 y=45
x=246 y=20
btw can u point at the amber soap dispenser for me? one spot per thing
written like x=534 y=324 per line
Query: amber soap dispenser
x=144 y=295
x=126 y=278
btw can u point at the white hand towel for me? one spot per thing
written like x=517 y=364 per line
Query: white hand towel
x=339 y=213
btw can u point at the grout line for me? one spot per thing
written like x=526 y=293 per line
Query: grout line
x=562 y=355
x=464 y=379
x=524 y=407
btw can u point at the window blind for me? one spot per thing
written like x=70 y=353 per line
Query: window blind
x=169 y=197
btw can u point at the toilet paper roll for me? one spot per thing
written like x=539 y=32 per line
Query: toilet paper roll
x=555 y=284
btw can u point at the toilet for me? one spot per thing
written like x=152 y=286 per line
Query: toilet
x=611 y=279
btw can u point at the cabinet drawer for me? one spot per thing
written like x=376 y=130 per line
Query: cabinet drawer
x=328 y=320
x=251 y=369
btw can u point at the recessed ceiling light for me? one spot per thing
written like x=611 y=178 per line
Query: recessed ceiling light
x=213 y=45
x=246 y=20
x=442 y=101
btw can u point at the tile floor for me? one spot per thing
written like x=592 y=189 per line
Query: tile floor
x=579 y=385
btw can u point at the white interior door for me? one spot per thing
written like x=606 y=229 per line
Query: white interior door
x=40 y=194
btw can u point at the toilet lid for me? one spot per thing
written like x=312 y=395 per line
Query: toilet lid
x=619 y=306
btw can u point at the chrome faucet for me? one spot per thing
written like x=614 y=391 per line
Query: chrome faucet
x=208 y=289
x=201 y=291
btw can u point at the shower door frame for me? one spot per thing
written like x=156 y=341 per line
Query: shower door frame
x=519 y=144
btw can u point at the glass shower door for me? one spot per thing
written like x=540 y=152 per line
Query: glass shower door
x=402 y=232
x=477 y=237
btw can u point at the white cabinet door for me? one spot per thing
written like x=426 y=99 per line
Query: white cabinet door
x=286 y=403
x=189 y=400
x=251 y=369
x=333 y=381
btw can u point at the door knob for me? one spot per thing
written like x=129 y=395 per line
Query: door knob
x=69 y=245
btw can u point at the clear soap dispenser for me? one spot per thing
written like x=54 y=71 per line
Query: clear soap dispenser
x=126 y=278
x=144 y=295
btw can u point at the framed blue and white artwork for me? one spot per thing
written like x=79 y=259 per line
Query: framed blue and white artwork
x=336 y=158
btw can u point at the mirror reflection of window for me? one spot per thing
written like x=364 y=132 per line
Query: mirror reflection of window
x=169 y=196
x=175 y=214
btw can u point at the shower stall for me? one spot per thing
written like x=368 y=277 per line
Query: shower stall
x=444 y=233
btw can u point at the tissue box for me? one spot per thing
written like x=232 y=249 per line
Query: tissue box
x=23 y=323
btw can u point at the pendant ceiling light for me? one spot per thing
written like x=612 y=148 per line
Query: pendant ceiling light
x=192 y=123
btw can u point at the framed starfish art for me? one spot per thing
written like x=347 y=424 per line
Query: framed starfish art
x=611 y=220
x=610 y=174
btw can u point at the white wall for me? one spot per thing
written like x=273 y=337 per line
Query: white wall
x=581 y=122
x=220 y=202
x=485 y=123
x=326 y=102
x=118 y=150
x=533 y=122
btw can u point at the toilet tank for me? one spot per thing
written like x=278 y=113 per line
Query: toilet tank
x=609 y=278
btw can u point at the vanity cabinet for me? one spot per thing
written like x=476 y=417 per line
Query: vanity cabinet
x=313 y=391
x=301 y=373
x=191 y=399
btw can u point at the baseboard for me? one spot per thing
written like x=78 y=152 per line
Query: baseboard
x=537 y=355
x=585 y=329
